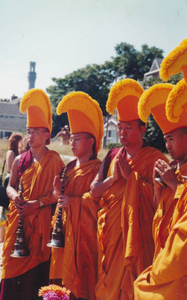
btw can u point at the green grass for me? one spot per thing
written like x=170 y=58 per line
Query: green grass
x=66 y=150
x=55 y=145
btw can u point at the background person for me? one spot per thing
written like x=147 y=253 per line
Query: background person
x=13 y=151
x=64 y=134
x=23 y=145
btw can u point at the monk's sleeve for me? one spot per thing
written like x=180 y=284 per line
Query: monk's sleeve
x=84 y=208
x=81 y=237
x=47 y=177
x=171 y=264
x=138 y=212
x=137 y=216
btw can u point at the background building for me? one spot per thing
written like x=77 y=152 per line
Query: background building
x=32 y=75
x=11 y=119
x=154 y=70
x=110 y=130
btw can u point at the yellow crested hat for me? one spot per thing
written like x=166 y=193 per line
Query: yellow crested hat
x=176 y=105
x=124 y=96
x=175 y=62
x=84 y=115
x=154 y=101
x=38 y=107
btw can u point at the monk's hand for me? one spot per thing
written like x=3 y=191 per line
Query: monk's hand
x=63 y=201
x=124 y=166
x=57 y=186
x=27 y=207
x=18 y=201
x=158 y=186
x=157 y=179
x=166 y=173
x=116 y=173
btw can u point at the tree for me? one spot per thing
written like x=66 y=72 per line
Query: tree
x=173 y=80
x=132 y=63
x=96 y=80
x=154 y=135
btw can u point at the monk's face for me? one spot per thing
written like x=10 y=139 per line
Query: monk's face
x=130 y=133
x=81 y=144
x=37 y=136
x=176 y=144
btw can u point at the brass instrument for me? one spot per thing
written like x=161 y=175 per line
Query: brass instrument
x=58 y=234
x=20 y=249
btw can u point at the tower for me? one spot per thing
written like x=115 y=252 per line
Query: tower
x=32 y=75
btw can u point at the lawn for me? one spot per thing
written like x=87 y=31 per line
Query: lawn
x=63 y=150
x=55 y=145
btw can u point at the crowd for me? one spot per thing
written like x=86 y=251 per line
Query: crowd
x=124 y=219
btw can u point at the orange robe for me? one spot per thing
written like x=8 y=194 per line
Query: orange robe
x=125 y=228
x=77 y=262
x=164 y=213
x=37 y=184
x=166 y=278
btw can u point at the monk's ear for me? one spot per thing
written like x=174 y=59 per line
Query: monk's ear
x=185 y=136
x=47 y=136
x=91 y=141
x=142 y=129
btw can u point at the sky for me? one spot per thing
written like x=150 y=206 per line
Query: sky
x=62 y=36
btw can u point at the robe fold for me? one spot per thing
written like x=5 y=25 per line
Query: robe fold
x=77 y=262
x=166 y=278
x=37 y=183
x=126 y=245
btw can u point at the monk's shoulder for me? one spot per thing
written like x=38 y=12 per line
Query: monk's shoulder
x=53 y=156
x=154 y=153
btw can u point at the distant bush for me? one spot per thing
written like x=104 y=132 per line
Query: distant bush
x=114 y=145
x=154 y=136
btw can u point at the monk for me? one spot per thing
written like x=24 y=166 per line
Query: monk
x=124 y=189
x=154 y=101
x=166 y=277
x=34 y=172
x=76 y=264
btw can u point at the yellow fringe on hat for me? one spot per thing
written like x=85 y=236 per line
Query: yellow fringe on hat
x=37 y=97
x=84 y=103
x=154 y=96
x=174 y=62
x=176 y=101
x=120 y=90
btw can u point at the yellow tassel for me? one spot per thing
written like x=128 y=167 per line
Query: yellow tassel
x=154 y=96
x=176 y=101
x=37 y=97
x=174 y=61
x=120 y=90
x=84 y=103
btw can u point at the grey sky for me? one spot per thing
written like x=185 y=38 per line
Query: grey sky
x=62 y=36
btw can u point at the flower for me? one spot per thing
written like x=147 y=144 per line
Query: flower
x=50 y=296
x=54 y=292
